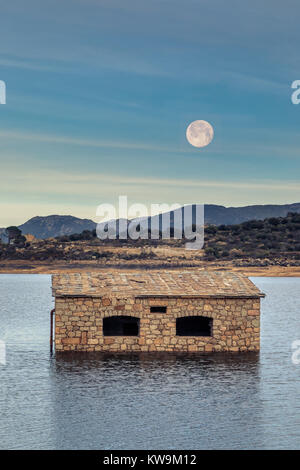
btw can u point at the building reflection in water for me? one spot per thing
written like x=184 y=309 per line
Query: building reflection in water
x=152 y=401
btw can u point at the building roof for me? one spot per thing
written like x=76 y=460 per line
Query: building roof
x=215 y=284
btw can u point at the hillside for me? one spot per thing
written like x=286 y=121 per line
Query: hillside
x=272 y=242
x=58 y=225
x=219 y=215
x=275 y=238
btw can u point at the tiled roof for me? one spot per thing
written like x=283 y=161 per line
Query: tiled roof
x=154 y=284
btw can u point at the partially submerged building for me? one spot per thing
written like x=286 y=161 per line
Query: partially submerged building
x=188 y=311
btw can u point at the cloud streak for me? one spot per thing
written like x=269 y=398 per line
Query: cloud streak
x=89 y=183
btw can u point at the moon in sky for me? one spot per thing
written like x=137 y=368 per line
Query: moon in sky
x=199 y=133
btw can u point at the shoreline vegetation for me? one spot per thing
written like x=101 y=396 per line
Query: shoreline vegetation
x=19 y=267
x=269 y=247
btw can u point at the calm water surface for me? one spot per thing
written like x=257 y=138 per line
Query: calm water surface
x=92 y=401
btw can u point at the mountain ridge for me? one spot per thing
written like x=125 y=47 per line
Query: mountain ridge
x=43 y=227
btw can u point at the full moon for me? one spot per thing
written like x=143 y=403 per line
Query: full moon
x=199 y=133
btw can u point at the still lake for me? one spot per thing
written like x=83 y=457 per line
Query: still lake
x=92 y=401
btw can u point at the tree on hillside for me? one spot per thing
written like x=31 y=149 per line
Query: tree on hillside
x=14 y=234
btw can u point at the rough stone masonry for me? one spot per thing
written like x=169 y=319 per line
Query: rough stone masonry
x=179 y=311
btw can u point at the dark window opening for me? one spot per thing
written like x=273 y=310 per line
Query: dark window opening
x=158 y=309
x=194 y=326
x=121 y=326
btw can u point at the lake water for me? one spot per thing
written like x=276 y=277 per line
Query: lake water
x=91 y=401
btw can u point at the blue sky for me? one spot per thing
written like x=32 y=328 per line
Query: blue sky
x=100 y=92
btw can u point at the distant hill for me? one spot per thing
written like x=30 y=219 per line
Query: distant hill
x=59 y=225
x=56 y=225
x=274 y=241
x=219 y=215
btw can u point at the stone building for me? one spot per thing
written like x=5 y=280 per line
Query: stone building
x=189 y=311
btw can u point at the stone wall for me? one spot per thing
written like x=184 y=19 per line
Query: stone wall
x=79 y=324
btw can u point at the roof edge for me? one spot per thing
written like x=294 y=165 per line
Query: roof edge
x=202 y=296
x=162 y=296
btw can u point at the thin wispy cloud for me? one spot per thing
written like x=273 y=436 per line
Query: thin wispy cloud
x=90 y=182
x=289 y=150
x=23 y=64
x=55 y=139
